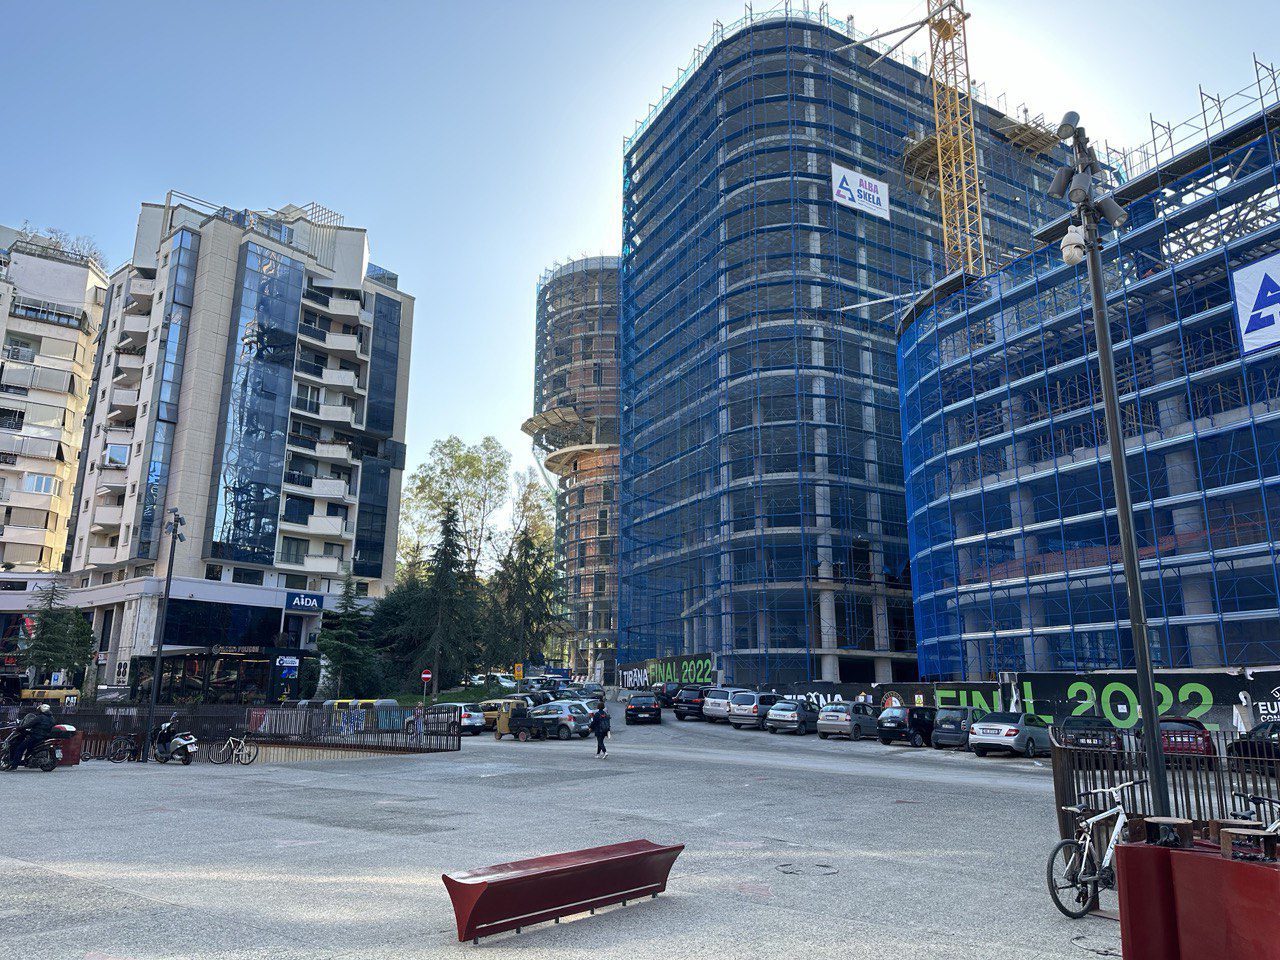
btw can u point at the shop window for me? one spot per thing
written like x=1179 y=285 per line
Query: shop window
x=213 y=571
x=244 y=575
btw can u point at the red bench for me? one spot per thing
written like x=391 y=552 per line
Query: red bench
x=509 y=896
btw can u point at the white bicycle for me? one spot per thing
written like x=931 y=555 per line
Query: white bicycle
x=1076 y=873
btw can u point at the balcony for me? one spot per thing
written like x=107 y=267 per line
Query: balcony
x=340 y=452
x=106 y=517
x=23 y=354
x=28 y=536
x=142 y=291
x=101 y=556
x=307 y=405
x=124 y=401
x=346 y=344
x=130 y=360
x=312 y=333
x=348 y=381
x=134 y=328
x=340 y=307
x=338 y=413
x=319 y=525
x=330 y=488
x=309 y=368
x=323 y=563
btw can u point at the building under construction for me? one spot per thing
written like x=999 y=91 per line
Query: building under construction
x=575 y=430
x=761 y=491
x=1015 y=550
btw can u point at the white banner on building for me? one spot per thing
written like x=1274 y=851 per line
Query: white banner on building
x=1257 y=289
x=852 y=189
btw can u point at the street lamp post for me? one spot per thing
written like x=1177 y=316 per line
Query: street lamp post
x=175 y=537
x=1081 y=242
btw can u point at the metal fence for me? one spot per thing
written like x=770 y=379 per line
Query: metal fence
x=283 y=733
x=1204 y=772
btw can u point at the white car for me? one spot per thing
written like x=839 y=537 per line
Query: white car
x=503 y=680
x=748 y=709
x=715 y=703
x=1023 y=733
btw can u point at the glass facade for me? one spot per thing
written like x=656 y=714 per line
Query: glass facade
x=256 y=396
x=384 y=365
x=762 y=505
x=371 y=517
x=179 y=297
x=1015 y=552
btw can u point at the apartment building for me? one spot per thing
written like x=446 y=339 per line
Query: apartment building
x=252 y=374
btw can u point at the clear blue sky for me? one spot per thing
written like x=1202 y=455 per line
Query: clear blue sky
x=478 y=142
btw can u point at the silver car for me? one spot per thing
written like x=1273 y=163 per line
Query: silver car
x=715 y=703
x=843 y=719
x=574 y=717
x=748 y=709
x=1023 y=733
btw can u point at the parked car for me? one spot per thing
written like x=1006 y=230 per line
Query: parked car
x=574 y=718
x=1023 y=733
x=951 y=726
x=912 y=724
x=845 y=719
x=1257 y=751
x=688 y=703
x=470 y=717
x=1094 y=733
x=1184 y=738
x=666 y=693
x=715 y=703
x=503 y=680
x=490 y=708
x=748 y=709
x=795 y=716
x=643 y=708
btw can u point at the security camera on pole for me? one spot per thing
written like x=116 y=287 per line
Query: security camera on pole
x=1080 y=244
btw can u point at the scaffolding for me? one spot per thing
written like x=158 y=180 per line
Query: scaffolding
x=1015 y=551
x=762 y=504
x=575 y=434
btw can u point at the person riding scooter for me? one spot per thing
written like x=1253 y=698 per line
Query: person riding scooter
x=34 y=728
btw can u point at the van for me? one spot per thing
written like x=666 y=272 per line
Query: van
x=715 y=703
x=748 y=709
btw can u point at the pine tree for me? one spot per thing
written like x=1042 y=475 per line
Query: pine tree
x=61 y=638
x=352 y=663
x=453 y=601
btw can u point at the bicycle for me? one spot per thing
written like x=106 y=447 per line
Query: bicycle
x=1258 y=801
x=235 y=748
x=123 y=747
x=1074 y=864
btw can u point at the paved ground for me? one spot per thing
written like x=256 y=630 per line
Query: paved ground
x=796 y=849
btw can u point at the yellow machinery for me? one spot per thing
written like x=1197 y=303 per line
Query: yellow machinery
x=959 y=186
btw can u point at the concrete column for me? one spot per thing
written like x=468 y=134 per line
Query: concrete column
x=828 y=639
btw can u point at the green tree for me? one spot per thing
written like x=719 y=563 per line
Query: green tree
x=351 y=663
x=452 y=598
x=527 y=612
x=472 y=479
x=61 y=638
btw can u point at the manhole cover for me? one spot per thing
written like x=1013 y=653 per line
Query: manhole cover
x=807 y=869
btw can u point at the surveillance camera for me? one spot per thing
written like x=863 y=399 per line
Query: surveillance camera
x=1081 y=187
x=1073 y=250
x=1115 y=214
x=1058 y=189
x=1067 y=128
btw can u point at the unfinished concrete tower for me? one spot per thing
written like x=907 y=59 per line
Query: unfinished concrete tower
x=575 y=430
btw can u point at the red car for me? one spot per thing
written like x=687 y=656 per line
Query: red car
x=1184 y=737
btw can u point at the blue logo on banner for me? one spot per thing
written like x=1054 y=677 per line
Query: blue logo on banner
x=1265 y=304
x=843 y=190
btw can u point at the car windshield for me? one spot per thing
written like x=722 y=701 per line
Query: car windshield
x=642 y=701
x=743 y=698
x=1002 y=718
x=892 y=712
x=547 y=711
x=951 y=714
x=1085 y=723
x=1181 y=724
x=835 y=708
x=786 y=705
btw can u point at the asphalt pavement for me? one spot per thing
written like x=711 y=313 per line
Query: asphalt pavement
x=795 y=848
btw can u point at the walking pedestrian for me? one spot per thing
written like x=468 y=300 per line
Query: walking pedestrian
x=417 y=721
x=600 y=727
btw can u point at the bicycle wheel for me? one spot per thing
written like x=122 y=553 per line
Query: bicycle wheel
x=221 y=753
x=121 y=749
x=248 y=752
x=1067 y=864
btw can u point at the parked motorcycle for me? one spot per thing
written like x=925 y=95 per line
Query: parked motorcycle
x=170 y=743
x=44 y=755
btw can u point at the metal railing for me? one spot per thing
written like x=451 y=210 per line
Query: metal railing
x=283 y=733
x=1204 y=770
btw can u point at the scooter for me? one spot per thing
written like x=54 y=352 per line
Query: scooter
x=172 y=744
x=44 y=755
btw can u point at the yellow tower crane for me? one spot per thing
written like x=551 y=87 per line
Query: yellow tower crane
x=959 y=185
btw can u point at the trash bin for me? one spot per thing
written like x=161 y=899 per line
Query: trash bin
x=71 y=744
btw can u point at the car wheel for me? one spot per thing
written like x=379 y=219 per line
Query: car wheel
x=627 y=721
x=801 y=729
x=1029 y=751
x=564 y=733
x=856 y=732
x=936 y=744
x=773 y=729
x=523 y=736
x=822 y=735
x=917 y=740
x=980 y=751
x=886 y=741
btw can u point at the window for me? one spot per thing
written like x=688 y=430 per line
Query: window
x=241 y=575
x=41 y=483
x=295 y=581
x=362 y=588
x=11 y=419
x=116 y=455
x=213 y=571
x=292 y=549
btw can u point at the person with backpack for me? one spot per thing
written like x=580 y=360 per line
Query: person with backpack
x=600 y=727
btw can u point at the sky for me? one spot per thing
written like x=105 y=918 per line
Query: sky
x=480 y=143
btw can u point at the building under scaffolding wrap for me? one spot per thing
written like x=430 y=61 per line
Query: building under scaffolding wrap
x=1015 y=552
x=761 y=490
x=575 y=428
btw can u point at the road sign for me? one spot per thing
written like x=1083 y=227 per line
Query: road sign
x=519 y=671
x=426 y=676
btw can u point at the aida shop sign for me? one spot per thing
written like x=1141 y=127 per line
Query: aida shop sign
x=849 y=188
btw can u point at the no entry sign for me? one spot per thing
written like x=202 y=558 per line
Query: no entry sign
x=426 y=676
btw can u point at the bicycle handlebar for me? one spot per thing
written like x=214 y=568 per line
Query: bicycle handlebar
x=1115 y=791
x=1255 y=799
